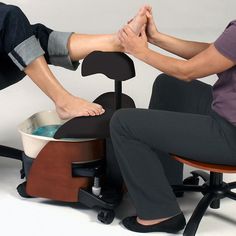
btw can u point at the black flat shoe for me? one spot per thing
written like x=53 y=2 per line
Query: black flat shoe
x=172 y=225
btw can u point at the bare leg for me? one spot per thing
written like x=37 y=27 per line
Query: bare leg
x=80 y=45
x=67 y=105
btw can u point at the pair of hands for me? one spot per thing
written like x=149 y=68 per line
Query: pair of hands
x=136 y=45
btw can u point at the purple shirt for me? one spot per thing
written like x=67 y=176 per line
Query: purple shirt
x=224 y=90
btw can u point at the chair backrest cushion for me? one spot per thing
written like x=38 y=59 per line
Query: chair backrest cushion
x=115 y=65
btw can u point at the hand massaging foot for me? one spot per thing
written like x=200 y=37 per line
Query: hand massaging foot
x=171 y=225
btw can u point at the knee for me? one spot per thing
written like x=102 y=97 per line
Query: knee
x=116 y=121
x=14 y=12
x=163 y=80
x=41 y=31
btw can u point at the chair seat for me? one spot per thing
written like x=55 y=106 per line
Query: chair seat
x=94 y=126
x=206 y=166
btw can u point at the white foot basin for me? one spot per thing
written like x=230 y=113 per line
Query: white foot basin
x=33 y=144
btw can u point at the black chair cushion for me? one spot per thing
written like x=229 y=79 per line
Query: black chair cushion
x=115 y=65
x=94 y=127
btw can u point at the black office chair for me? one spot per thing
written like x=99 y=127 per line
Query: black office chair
x=214 y=189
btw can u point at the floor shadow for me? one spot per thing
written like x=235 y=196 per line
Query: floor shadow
x=222 y=217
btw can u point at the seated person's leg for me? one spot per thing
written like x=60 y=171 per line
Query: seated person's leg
x=56 y=46
x=63 y=47
x=21 y=45
x=137 y=133
x=80 y=45
x=23 y=48
x=171 y=94
x=18 y=39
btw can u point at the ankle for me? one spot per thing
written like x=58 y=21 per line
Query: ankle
x=116 y=43
x=63 y=100
x=63 y=106
x=151 y=222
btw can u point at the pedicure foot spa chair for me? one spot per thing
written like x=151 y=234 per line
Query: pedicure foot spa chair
x=73 y=161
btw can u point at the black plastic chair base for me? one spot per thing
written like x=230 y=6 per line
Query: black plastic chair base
x=213 y=189
x=21 y=189
x=11 y=153
x=106 y=207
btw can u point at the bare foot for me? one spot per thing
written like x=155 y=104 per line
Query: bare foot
x=117 y=46
x=150 y=222
x=139 y=20
x=76 y=107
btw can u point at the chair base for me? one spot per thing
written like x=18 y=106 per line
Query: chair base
x=72 y=172
x=214 y=189
x=10 y=152
x=13 y=153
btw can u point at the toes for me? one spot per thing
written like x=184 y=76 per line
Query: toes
x=99 y=108
x=148 y=8
x=142 y=11
x=92 y=113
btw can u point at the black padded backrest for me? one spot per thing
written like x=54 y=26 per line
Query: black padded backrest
x=107 y=100
x=115 y=65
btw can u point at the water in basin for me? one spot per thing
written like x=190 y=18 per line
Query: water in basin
x=46 y=131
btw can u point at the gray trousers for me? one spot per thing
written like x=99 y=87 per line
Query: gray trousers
x=180 y=121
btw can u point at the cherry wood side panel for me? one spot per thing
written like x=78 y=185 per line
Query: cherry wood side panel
x=51 y=173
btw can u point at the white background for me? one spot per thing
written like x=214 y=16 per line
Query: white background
x=202 y=20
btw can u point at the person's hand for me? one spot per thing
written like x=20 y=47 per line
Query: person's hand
x=75 y=107
x=132 y=43
x=151 y=29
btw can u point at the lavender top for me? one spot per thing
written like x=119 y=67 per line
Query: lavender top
x=224 y=90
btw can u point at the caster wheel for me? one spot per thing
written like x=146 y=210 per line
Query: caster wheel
x=21 y=189
x=192 y=180
x=106 y=216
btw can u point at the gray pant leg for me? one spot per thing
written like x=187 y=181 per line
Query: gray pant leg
x=171 y=94
x=138 y=133
x=143 y=156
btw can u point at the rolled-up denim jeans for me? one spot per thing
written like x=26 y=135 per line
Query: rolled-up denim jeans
x=21 y=43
